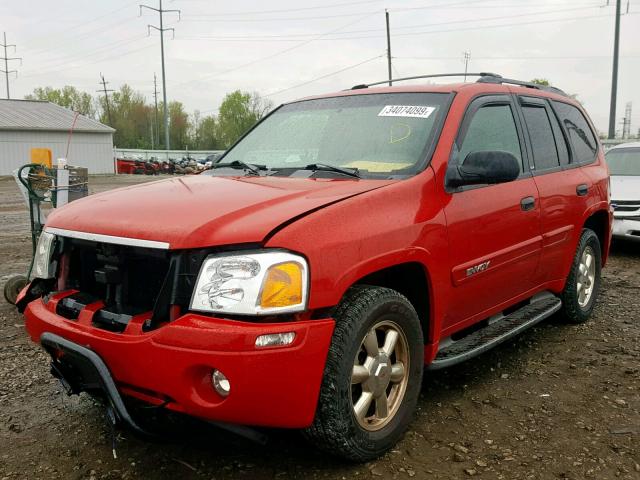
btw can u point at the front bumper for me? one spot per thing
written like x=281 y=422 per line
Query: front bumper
x=626 y=228
x=172 y=365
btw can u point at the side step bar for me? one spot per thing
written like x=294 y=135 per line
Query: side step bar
x=495 y=333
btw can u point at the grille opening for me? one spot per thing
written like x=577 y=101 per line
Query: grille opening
x=127 y=279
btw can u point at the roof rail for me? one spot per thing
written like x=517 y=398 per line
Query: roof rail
x=435 y=75
x=485 y=77
x=488 y=78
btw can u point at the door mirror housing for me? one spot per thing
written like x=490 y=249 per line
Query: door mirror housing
x=484 y=168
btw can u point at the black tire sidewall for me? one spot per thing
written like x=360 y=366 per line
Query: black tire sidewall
x=572 y=310
x=354 y=442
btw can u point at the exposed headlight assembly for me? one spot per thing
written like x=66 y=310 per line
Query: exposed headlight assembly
x=252 y=284
x=42 y=265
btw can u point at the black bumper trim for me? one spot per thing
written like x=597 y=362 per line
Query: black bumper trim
x=54 y=341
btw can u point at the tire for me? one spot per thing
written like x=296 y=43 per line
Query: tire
x=13 y=287
x=575 y=307
x=336 y=429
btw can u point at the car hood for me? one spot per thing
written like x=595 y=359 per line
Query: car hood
x=203 y=211
x=625 y=187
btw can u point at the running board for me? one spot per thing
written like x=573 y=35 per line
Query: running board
x=495 y=333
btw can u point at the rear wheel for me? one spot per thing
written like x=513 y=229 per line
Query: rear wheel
x=372 y=377
x=583 y=284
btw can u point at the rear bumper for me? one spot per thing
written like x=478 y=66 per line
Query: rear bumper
x=626 y=228
x=276 y=386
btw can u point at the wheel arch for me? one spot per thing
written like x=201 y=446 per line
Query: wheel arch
x=411 y=279
x=600 y=222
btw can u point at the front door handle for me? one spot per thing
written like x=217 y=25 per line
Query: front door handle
x=582 y=189
x=527 y=203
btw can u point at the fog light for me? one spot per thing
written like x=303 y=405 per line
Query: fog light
x=220 y=383
x=275 y=339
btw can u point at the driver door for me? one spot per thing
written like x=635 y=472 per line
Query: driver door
x=494 y=230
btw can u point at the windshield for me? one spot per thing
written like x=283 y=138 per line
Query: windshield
x=624 y=161
x=380 y=135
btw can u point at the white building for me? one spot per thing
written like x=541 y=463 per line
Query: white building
x=27 y=124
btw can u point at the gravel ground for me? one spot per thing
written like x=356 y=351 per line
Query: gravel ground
x=558 y=402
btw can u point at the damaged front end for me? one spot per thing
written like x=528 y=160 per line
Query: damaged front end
x=117 y=281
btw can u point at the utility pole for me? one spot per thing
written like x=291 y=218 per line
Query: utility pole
x=7 y=59
x=155 y=100
x=467 y=57
x=161 y=29
x=106 y=97
x=386 y=14
x=614 y=76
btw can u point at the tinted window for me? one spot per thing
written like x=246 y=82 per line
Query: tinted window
x=624 y=161
x=492 y=128
x=580 y=135
x=545 y=155
x=561 y=142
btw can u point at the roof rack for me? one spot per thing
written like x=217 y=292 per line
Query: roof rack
x=485 y=77
x=491 y=78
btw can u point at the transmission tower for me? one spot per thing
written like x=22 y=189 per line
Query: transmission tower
x=626 y=121
x=467 y=57
x=161 y=29
x=8 y=59
x=155 y=101
x=106 y=91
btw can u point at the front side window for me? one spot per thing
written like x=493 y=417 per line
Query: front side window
x=381 y=135
x=545 y=155
x=624 y=161
x=581 y=137
x=492 y=128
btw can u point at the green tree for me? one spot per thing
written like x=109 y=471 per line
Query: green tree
x=204 y=135
x=541 y=81
x=130 y=116
x=239 y=111
x=68 y=97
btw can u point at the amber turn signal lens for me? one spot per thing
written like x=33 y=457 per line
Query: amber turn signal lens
x=282 y=286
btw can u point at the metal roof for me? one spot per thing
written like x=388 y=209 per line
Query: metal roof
x=45 y=116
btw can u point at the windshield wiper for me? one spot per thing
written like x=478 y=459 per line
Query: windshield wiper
x=352 y=172
x=255 y=169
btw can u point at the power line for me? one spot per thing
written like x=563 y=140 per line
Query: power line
x=106 y=97
x=8 y=59
x=324 y=76
x=162 y=29
x=283 y=10
x=279 y=52
x=406 y=27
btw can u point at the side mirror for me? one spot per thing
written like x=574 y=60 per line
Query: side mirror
x=482 y=168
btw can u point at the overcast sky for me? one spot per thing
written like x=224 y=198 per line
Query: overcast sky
x=285 y=49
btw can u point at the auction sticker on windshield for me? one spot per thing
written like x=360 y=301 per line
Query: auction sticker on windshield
x=416 y=111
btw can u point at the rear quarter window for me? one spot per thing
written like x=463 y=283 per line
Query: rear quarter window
x=581 y=137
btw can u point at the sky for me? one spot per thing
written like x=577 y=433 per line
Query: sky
x=286 y=49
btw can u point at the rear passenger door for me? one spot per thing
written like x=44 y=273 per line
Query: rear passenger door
x=494 y=230
x=562 y=186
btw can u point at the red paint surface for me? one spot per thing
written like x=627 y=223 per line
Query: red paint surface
x=346 y=229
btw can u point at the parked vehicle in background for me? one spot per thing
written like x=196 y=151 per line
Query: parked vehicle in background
x=346 y=243
x=624 y=168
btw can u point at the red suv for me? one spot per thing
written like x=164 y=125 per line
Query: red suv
x=345 y=244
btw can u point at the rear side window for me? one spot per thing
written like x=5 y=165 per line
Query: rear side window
x=581 y=137
x=492 y=128
x=545 y=155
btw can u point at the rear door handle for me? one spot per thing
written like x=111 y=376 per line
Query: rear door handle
x=582 y=189
x=527 y=203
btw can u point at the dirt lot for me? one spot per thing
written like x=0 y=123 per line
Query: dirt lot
x=559 y=402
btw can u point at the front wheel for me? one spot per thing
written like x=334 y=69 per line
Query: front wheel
x=13 y=287
x=583 y=283
x=372 y=376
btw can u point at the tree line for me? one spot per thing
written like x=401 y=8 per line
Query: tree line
x=139 y=125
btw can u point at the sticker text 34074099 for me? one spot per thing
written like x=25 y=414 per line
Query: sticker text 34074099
x=416 y=111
